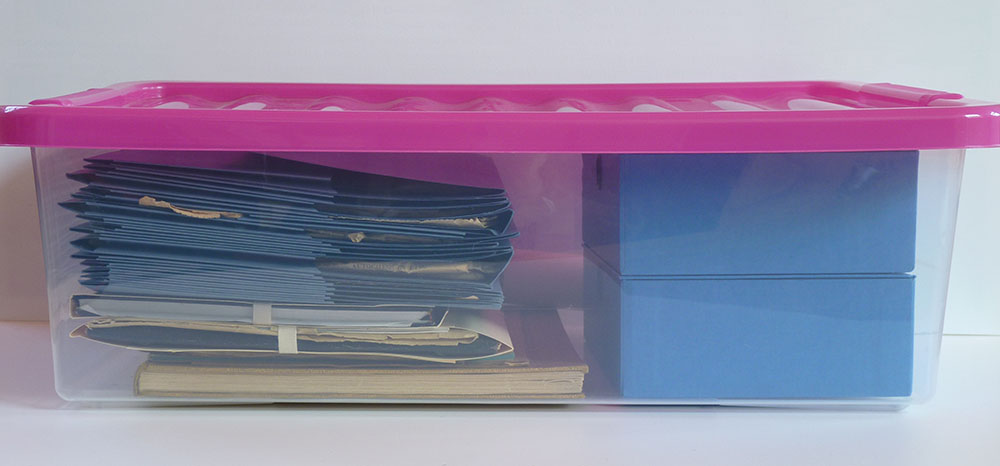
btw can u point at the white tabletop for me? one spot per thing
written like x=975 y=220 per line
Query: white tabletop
x=961 y=425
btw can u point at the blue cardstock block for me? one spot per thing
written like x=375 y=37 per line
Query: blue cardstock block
x=702 y=214
x=757 y=338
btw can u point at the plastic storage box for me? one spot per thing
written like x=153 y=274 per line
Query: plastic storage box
x=753 y=243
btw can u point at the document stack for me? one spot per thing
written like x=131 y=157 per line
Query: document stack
x=250 y=262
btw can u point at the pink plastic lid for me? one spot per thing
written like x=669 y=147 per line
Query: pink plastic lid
x=614 y=118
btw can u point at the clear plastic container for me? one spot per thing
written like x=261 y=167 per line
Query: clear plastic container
x=747 y=244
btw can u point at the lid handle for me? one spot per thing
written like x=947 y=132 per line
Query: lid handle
x=908 y=94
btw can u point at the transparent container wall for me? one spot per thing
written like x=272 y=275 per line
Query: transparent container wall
x=748 y=279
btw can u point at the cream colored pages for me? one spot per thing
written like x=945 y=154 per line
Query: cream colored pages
x=486 y=323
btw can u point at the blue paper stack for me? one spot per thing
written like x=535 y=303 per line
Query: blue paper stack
x=265 y=229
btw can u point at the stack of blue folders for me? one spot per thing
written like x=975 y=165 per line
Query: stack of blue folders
x=263 y=228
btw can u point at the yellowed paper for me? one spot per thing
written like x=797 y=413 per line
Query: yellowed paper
x=148 y=201
x=474 y=222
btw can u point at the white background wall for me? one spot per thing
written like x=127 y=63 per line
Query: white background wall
x=50 y=48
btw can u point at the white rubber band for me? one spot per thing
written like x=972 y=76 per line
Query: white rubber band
x=262 y=313
x=288 y=339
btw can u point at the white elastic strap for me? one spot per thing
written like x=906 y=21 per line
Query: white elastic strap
x=288 y=339
x=262 y=313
